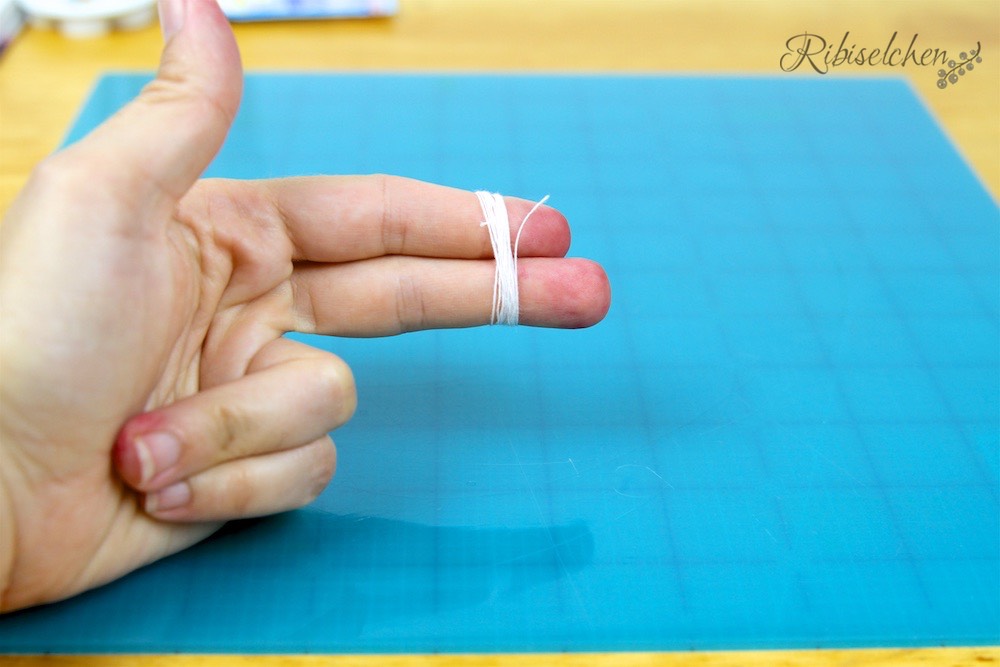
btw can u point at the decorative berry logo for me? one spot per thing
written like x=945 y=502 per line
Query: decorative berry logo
x=959 y=69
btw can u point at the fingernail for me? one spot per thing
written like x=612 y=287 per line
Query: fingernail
x=171 y=17
x=156 y=452
x=172 y=497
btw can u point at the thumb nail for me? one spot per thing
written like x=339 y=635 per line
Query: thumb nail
x=171 y=17
x=156 y=452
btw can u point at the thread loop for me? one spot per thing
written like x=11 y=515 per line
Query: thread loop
x=506 y=295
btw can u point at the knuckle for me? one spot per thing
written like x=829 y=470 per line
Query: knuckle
x=62 y=172
x=67 y=178
x=203 y=189
x=322 y=470
x=239 y=493
x=392 y=225
x=52 y=170
x=337 y=383
x=172 y=86
x=232 y=423
x=411 y=310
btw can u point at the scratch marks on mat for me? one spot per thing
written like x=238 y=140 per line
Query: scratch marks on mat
x=634 y=480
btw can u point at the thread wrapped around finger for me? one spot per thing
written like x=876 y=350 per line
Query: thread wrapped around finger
x=506 y=296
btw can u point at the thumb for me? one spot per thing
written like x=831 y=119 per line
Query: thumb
x=156 y=147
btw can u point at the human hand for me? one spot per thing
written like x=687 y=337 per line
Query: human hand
x=147 y=392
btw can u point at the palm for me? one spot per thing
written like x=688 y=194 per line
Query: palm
x=206 y=304
x=150 y=328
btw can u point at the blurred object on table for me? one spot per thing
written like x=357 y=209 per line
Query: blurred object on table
x=278 y=10
x=89 y=18
x=11 y=22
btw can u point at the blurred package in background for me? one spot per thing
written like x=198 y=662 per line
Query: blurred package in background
x=276 y=10
x=93 y=18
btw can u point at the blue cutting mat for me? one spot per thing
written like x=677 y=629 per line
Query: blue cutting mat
x=785 y=434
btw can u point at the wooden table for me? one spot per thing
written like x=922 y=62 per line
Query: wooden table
x=45 y=78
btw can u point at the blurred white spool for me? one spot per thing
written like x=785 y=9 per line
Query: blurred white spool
x=89 y=18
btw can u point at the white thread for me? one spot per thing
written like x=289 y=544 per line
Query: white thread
x=506 y=296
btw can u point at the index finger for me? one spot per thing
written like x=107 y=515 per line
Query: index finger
x=348 y=218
